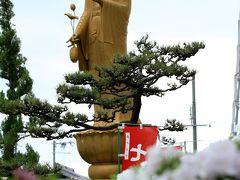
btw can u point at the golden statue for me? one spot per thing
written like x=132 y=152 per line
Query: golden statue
x=100 y=34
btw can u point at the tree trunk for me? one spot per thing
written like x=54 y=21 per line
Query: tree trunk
x=137 y=104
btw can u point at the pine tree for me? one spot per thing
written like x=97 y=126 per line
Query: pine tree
x=14 y=72
x=131 y=77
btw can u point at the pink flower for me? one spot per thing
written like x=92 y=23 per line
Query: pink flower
x=22 y=174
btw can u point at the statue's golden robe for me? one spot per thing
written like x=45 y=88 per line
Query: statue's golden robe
x=102 y=31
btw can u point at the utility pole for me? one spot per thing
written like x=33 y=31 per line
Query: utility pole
x=54 y=152
x=194 y=121
x=236 y=88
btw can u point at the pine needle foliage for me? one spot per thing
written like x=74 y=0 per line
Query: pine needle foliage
x=16 y=76
x=118 y=88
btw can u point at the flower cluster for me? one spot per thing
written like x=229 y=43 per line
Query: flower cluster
x=221 y=160
x=23 y=174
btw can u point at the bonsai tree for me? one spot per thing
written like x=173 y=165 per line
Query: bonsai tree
x=130 y=77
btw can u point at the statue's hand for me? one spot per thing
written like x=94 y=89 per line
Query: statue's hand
x=99 y=2
x=73 y=40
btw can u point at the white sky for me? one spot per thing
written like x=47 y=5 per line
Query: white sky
x=43 y=30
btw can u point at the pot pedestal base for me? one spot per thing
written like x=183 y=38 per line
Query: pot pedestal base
x=102 y=171
x=100 y=149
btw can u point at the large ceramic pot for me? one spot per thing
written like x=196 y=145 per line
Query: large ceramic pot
x=100 y=149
